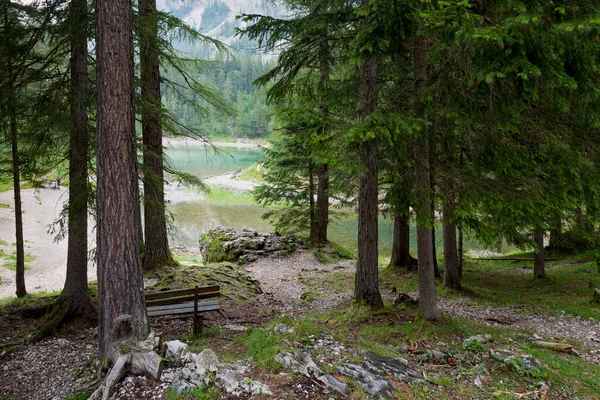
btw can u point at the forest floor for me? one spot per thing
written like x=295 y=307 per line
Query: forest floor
x=311 y=291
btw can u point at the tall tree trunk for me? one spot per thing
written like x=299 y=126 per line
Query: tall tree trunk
x=427 y=296
x=12 y=113
x=366 y=284
x=156 y=243
x=436 y=268
x=311 y=198
x=20 y=242
x=451 y=266
x=319 y=235
x=120 y=285
x=76 y=285
x=461 y=240
x=539 y=268
x=401 y=257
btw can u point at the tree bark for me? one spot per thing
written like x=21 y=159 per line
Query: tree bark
x=401 y=257
x=451 y=266
x=319 y=235
x=427 y=296
x=120 y=286
x=436 y=268
x=20 y=242
x=75 y=291
x=311 y=199
x=12 y=112
x=460 y=249
x=539 y=268
x=156 y=243
x=367 y=269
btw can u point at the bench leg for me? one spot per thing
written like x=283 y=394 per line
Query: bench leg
x=199 y=323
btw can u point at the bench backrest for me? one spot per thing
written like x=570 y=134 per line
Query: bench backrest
x=182 y=295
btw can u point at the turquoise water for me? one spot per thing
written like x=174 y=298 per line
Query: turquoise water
x=195 y=217
x=204 y=162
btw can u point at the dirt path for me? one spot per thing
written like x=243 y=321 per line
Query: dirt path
x=41 y=207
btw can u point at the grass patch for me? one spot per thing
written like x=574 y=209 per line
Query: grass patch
x=209 y=393
x=12 y=266
x=261 y=346
x=4 y=205
x=253 y=173
x=30 y=300
x=77 y=397
x=28 y=257
x=3 y=242
x=221 y=195
x=332 y=252
x=566 y=289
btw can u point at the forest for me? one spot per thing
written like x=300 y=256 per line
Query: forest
x=474 y=119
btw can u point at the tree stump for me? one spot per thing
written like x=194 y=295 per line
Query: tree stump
x=130 y=356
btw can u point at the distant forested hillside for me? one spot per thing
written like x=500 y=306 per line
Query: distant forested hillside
x=232 y=79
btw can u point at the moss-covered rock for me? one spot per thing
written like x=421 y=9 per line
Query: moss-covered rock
x=226 y=244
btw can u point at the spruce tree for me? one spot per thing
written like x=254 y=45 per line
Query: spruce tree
x=120 y=285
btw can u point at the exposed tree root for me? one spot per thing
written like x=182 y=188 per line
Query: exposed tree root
x=130 y=355
x=62 y=311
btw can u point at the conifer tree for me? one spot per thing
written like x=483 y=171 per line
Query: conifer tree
x=120 y=285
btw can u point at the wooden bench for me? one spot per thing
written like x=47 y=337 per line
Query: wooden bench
x=184 y=301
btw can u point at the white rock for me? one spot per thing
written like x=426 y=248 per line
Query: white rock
x=175 y=350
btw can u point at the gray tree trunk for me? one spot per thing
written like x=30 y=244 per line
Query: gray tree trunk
x=75 y=290
x=367 y=269
x=319 y=234
x=156 y=241
x=401 y=257
x=451 y=265
x=461 y=253
x=12 y=114
x=427 y=296
x=120 y=285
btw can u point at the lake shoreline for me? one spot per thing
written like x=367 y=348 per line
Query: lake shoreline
x=192 y=142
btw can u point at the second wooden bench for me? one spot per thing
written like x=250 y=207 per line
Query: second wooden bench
x=185 y=301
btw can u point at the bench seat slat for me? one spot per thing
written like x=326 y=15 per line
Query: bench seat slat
x=186 y=304
x=182 y=292
x=189 y=309
x=181 y=299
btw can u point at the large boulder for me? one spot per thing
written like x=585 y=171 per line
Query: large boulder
x=226 y=244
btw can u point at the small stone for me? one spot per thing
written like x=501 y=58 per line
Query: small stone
x=283 y=329
x=478 y=338
x=175 y=350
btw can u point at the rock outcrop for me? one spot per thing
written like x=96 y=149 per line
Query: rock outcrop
x=226 y=244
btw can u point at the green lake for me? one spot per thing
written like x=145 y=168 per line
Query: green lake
x=196 y=216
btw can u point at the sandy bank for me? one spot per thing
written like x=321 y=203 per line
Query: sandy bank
x=228 y=182
x=48 y=269
x=187 y=142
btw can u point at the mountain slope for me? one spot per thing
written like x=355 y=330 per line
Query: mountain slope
x=217 y=18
